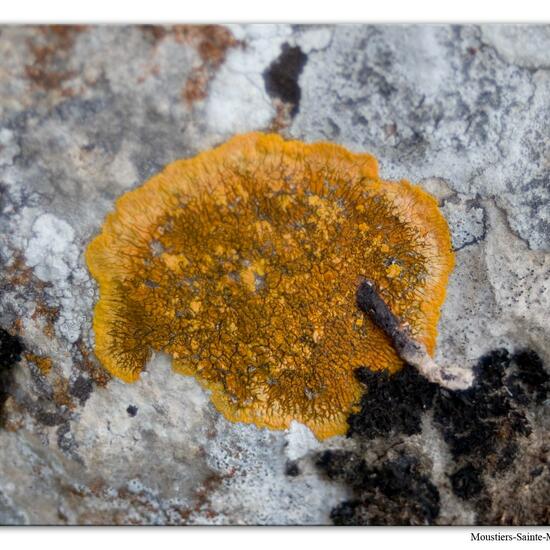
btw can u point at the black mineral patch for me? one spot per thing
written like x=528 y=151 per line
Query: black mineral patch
x=132 y=410
x=292 y=469
x=487 y=425
x=81 y=389
x=486 y=428
x=391 y=403
x=11 y=349
x=533 y=380
x=281 y=77
x=393 y=493
x=485 y=419
x=50 y=418
x=467 y=482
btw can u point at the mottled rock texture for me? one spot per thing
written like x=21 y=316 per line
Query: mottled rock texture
x=87 y=113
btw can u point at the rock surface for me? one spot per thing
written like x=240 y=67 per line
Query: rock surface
x=87 y=113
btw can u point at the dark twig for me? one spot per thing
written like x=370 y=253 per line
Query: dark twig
x=410 y=350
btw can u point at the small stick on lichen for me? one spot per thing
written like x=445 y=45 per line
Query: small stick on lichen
x=410 y=350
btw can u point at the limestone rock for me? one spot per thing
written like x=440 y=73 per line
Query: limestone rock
x=88 y=113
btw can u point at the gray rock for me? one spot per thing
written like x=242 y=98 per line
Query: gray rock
x=88 y=113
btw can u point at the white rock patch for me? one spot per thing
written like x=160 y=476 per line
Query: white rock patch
x=51 y=250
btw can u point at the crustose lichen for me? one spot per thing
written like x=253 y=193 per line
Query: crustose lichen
x=243 y=264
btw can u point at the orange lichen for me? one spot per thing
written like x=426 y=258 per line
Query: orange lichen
x=243 y=264
x=86 y=362
x=43 y=363
x=49 y=315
